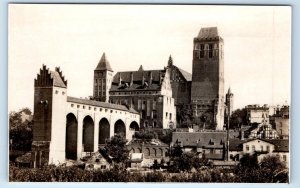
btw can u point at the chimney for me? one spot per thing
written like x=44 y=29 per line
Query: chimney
x=131 y=78
x=120 y=79
x=150 y=78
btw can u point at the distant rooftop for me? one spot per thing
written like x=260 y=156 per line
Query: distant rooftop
x=208 y=32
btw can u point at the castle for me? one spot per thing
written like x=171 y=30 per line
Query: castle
x=69 y=128
x=156 y=93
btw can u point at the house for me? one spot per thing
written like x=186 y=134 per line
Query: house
x=151 y=149
x=97 y=161
x=257 y=114
x=207 y=144
x=263 y=131
x=261 y=147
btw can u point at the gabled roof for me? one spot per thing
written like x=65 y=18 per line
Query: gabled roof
x=209 y=139
x=281 y=145
x=208 y=32
x=103 y=64
x=185 y=74
x=137 y=78
x=57 y=80
x=236 y=144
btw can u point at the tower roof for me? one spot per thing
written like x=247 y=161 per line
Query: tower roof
x=208 y=32
x=103 y=64
x=141 y=68
x=229 y=90
x=170 y=62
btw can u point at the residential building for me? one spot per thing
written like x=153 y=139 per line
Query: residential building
x=257 y=114
x=207 y=144
x=262 y=147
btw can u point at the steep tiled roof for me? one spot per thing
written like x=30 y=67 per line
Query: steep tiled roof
x=208 y=32
x=103 y=64
x=137 y=80
x=281 y=145
x=210 y=139
x=101 y=104
x=186 y=75
x=236 y=144
x=57 y=80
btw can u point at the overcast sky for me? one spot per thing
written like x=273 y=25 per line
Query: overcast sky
x=257 y=45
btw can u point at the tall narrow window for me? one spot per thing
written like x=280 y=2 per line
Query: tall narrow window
x=201 y=50
x=210 y=50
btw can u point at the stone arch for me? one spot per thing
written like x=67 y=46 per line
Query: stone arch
x=147 y=152
x=71 y=136
x=88 y=134
x=120 y=128
x=154 y=152
x=139 y=150
x=104 y=129
x=134 y=125
x=160 y=152
x=132 y=150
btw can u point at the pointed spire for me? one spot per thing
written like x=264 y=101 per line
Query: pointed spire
x=103 y=64
x=229 y=90
x=170 y=62
x=141 y=68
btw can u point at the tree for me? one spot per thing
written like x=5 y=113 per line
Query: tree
x=116 y=148
x=238 y=118
x=20 y=132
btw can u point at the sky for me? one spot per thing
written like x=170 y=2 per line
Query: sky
x=257 y=45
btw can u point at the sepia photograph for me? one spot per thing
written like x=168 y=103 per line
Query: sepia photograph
x=149 y=93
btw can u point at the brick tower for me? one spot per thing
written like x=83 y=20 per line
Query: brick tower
x=207 y=93
x=103 y=75
x=50 y=98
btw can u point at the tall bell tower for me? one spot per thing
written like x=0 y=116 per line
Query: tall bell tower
x=207 y=93
x=103 y=75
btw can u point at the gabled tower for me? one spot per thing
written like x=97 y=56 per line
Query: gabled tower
x=103 y=75
x=207 y=93
x=49 y=131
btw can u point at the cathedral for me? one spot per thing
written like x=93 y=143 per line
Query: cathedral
x=160 y=95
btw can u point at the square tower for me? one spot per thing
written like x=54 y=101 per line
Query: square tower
x=207 y=93
x=103 y=75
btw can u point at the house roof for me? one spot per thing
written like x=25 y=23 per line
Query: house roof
x=210 y=139
x=281 y=145
x=103 y=64
x=57 y=80
x=101 y=104
x=236 y=144
x=185 y=74
x=208 y=32
x=137 y=78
